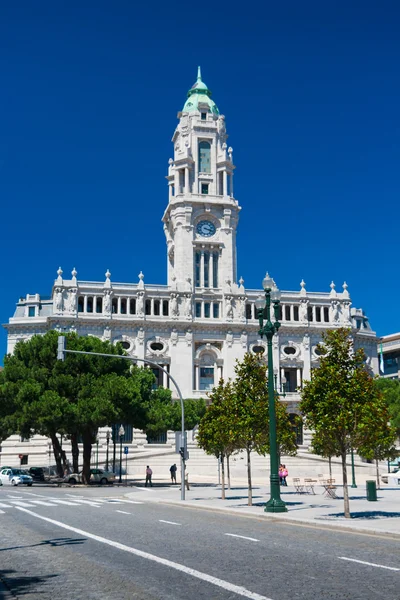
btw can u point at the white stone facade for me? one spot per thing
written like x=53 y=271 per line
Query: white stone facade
x=204 y=318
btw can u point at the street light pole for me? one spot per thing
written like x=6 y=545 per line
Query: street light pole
x=121 y=434
x=108 y=443
x=353 y=472
x=275 y=504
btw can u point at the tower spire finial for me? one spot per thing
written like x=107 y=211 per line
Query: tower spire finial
x=198 y=74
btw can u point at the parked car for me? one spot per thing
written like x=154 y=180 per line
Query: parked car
x=96 y=476
x=15 y=477
x=37 y=473
x=393 y=477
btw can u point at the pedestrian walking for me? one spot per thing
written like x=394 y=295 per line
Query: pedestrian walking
x=285 y=473
x=173 y=470
x=149 y=473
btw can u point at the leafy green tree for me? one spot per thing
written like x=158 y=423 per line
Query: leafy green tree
x=215 y=434
x=250 y=414
x=76 y=396
x=390 y=389
x=340 y=401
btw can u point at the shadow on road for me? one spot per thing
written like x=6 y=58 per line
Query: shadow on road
x=18 y=585
x=54 y=543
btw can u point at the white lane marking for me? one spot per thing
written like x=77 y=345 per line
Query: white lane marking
x=18 y=503
x=66 y=502
x=226 y=585
x=43 y=503
x=243 y=537
x=133 y=501
x=5 y=505
x=169 y=522
x=16 y=497
x=123 y=512
x=2 y=512
x=363 y=562
x=80 y=501
x=38 y=495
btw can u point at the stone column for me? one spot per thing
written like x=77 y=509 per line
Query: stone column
x=298 y=377
x=231 y=184
x=225 y=183
x=119 y=305
x=186 y=180
x=211 y=270
x=202 y=268
x=84 y=303
x=94 y=304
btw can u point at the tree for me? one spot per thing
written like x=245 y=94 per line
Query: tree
x=76 y=396
x=340 y=402
x=250 y=415
x=215 y=434
x=390 y=389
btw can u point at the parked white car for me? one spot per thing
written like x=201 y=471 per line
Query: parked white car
x=96 y=476
x=15 y=477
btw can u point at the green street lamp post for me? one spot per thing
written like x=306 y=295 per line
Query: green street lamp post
x=275 y=504
x=108 y=443
x=121 y=433
x=353 y=471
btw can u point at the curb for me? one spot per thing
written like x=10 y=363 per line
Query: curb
x=337 y=527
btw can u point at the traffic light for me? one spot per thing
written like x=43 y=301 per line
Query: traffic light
x=61 y=347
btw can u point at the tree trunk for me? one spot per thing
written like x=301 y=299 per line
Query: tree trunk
x=378 y=486
x=228 y=471
x=87 y=452
x=223 y=477
x=57 y=454
x=330 y=467
x=250 y=498
x=345 y=487
x=75 y=452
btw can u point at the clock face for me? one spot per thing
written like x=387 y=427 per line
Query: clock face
x=205 y=228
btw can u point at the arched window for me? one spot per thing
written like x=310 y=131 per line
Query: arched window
x=89 y=305
x=80 y=304
x=123 y=306
x=204 y=157
x=114 y=306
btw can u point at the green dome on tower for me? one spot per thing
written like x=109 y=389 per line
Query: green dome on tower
x=199 y=94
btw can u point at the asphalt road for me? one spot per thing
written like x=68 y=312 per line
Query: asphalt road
x=94 y=544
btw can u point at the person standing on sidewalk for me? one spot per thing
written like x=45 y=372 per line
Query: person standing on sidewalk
x=173 y=470
x=149 y=473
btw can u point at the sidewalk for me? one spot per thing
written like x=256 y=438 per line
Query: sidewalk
x=379 y=518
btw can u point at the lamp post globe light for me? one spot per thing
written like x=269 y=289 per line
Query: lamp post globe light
x=268 y=328
x=121 y=433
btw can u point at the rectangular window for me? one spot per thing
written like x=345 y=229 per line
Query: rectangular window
x=326 y=314
x=318 y=314
x=197 y=268
x=24 y=459
x=132 y=306
x=280 y=313
x=207 y=310
x=216 y=310
x=206 y=269
x=206 y=378
x=255 y=313
x=31 y=311
x=204 y=116
x=198 y=309
x=296 y=313
x=123 y=306
x=89 y=304
x=99 y=305
x=221 y=183
x=148 y=307
x=248 y=311
x=156 y=307
x=165 y=308
x=204 y=188
x=215 y=269
x=310 y=313
x=287 y=313
x=114 y=305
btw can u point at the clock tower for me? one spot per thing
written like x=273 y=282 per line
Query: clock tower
x=202 y=214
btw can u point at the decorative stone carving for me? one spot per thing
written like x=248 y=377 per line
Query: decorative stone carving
x=141 y=282
x=173 y=306
x=346 y=317
x=188 y=306
x=107 y=283
x=241 y=309
x=71 y=300
x=140 y=336
x=189 y=337
x=188 y=284
x=229 y=339
x=140 y=304
x=156 y=351
x=303 y=291
x=334 y=312
x=333 y=292
x=303 y=309
x=243 y=339
x=174 y=337
x=306 y=341
x=107 y=302
x=107 y=334
x=228 y=308
x=58 y=300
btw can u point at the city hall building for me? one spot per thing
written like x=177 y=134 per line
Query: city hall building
x=204 y=318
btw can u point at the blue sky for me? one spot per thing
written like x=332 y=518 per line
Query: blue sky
x=310 y=91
